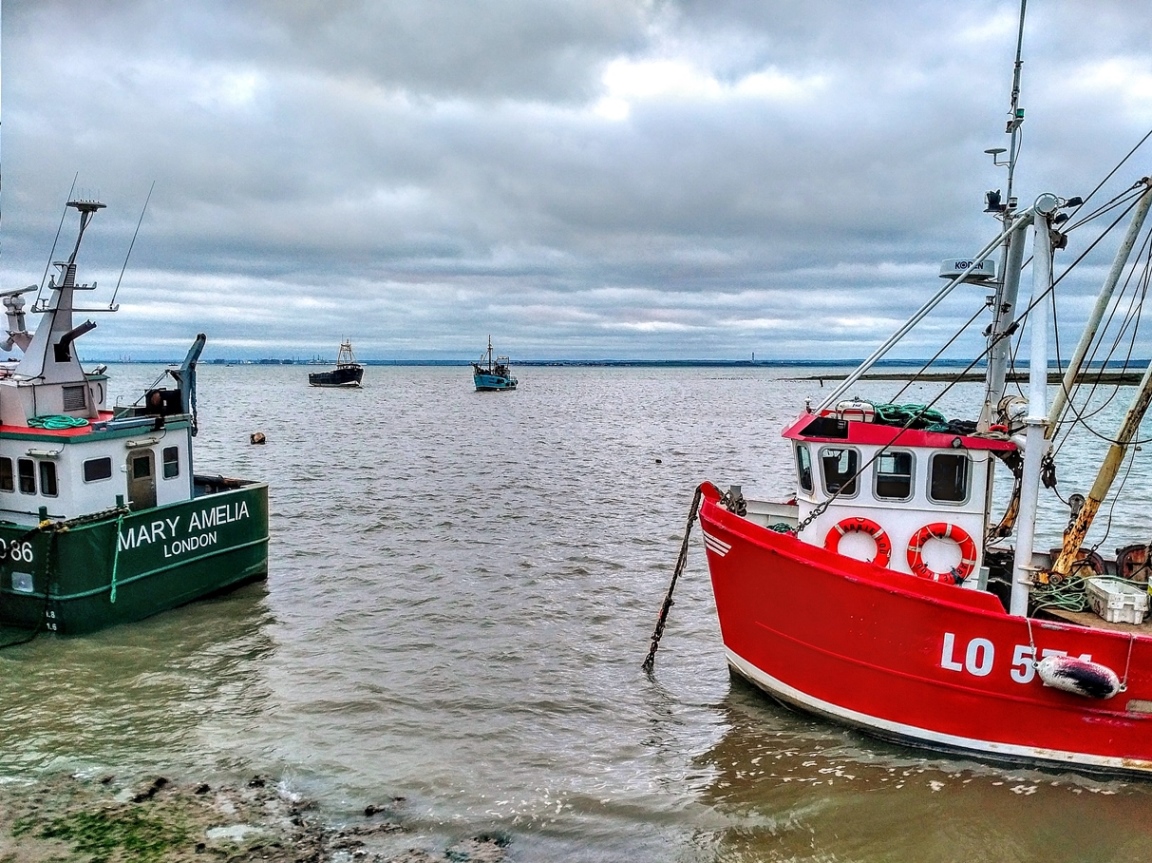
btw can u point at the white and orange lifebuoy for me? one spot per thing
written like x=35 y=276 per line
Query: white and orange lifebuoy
x=941 y=530
x=863 y=525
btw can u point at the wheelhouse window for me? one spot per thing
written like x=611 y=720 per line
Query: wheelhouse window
x=894 y=475
x=48 y=485
x=948 y=477
x=171 y=462
x=839 y=466
x=804 y=467
x=26 y=471
x=96 y=469
x=7 y=478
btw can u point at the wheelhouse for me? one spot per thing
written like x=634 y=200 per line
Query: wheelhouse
x=912 y=500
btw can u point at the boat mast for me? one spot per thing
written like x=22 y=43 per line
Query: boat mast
x=1036 y=422
x=1012 y=254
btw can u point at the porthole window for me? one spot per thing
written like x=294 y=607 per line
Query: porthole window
x=894 y=475
x=839 y=466
x=948 y=477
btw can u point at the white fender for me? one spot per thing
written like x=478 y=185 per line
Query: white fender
x=1078 y=676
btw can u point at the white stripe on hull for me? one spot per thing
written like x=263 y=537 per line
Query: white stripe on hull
x=931 y=739
x=717 y=546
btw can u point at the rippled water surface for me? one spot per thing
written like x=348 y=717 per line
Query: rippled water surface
x=461 y=591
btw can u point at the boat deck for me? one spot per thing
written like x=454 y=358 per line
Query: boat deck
x=1094 y=621
x=78 y=431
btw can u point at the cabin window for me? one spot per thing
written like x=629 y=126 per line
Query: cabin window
x=48 y=485
x=894 y=475
x=948 y=477
x=171 y=462
x=839 y=466
x=141 y=467
x=804 y=467
x=7 y=480
x=26 y=470
x=96 y=469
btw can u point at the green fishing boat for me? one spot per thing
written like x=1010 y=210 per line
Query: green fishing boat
x=102 y=517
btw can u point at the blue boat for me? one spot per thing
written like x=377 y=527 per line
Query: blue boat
x=492 y=374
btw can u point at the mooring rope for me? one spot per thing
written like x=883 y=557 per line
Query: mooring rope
x=56 y=422
x=116 y=557
x=650 y=660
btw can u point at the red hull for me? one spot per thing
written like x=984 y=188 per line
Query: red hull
x=931 y=664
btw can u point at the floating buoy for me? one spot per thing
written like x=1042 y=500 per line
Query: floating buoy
x=1078 y=676
x=659 y=461
x=257 y=437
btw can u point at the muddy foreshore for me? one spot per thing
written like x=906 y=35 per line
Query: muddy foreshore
x=106 y=820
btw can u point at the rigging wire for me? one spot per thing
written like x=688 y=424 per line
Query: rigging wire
x=924 y=368
x=1132 y=318
x=140 y=221
x=1112 y=173
x=1115 y=497
x=52 y=251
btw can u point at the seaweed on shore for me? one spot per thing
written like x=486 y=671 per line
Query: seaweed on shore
x=81 y=820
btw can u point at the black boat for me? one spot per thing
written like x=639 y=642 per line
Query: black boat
x=348 y=372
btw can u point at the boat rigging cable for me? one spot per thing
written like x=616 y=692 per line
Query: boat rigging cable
x=1091 y=246
x=1131 y=318
x=140 y=221
x=52 y=251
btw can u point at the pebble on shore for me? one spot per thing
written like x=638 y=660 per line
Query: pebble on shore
x=162 y=821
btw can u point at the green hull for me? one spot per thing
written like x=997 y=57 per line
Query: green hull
x=90 y=573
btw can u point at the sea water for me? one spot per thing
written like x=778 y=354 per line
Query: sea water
x=462 y=588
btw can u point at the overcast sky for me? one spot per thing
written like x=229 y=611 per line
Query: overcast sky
x=579 y=178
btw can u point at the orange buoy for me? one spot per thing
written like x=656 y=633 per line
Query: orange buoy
x=942 y=530
x=863 y=525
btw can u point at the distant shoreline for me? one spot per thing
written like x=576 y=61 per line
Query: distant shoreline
x=1092 y=376
x=1131 y=373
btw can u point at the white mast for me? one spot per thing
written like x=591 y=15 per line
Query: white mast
x=1036 y=422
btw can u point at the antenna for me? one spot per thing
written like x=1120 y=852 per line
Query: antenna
x=52 y=252
x=1015 y=118
x=1015 y=112
x=112 y=302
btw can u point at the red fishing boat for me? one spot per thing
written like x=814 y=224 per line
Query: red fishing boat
x=890 y=592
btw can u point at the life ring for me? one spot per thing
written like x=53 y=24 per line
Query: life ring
x=942 y=530
x=864 y=525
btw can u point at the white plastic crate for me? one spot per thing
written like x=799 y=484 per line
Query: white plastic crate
x=1117 y=601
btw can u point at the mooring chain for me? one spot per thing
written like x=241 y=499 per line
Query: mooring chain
x=650 y=660
x=817 y=511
